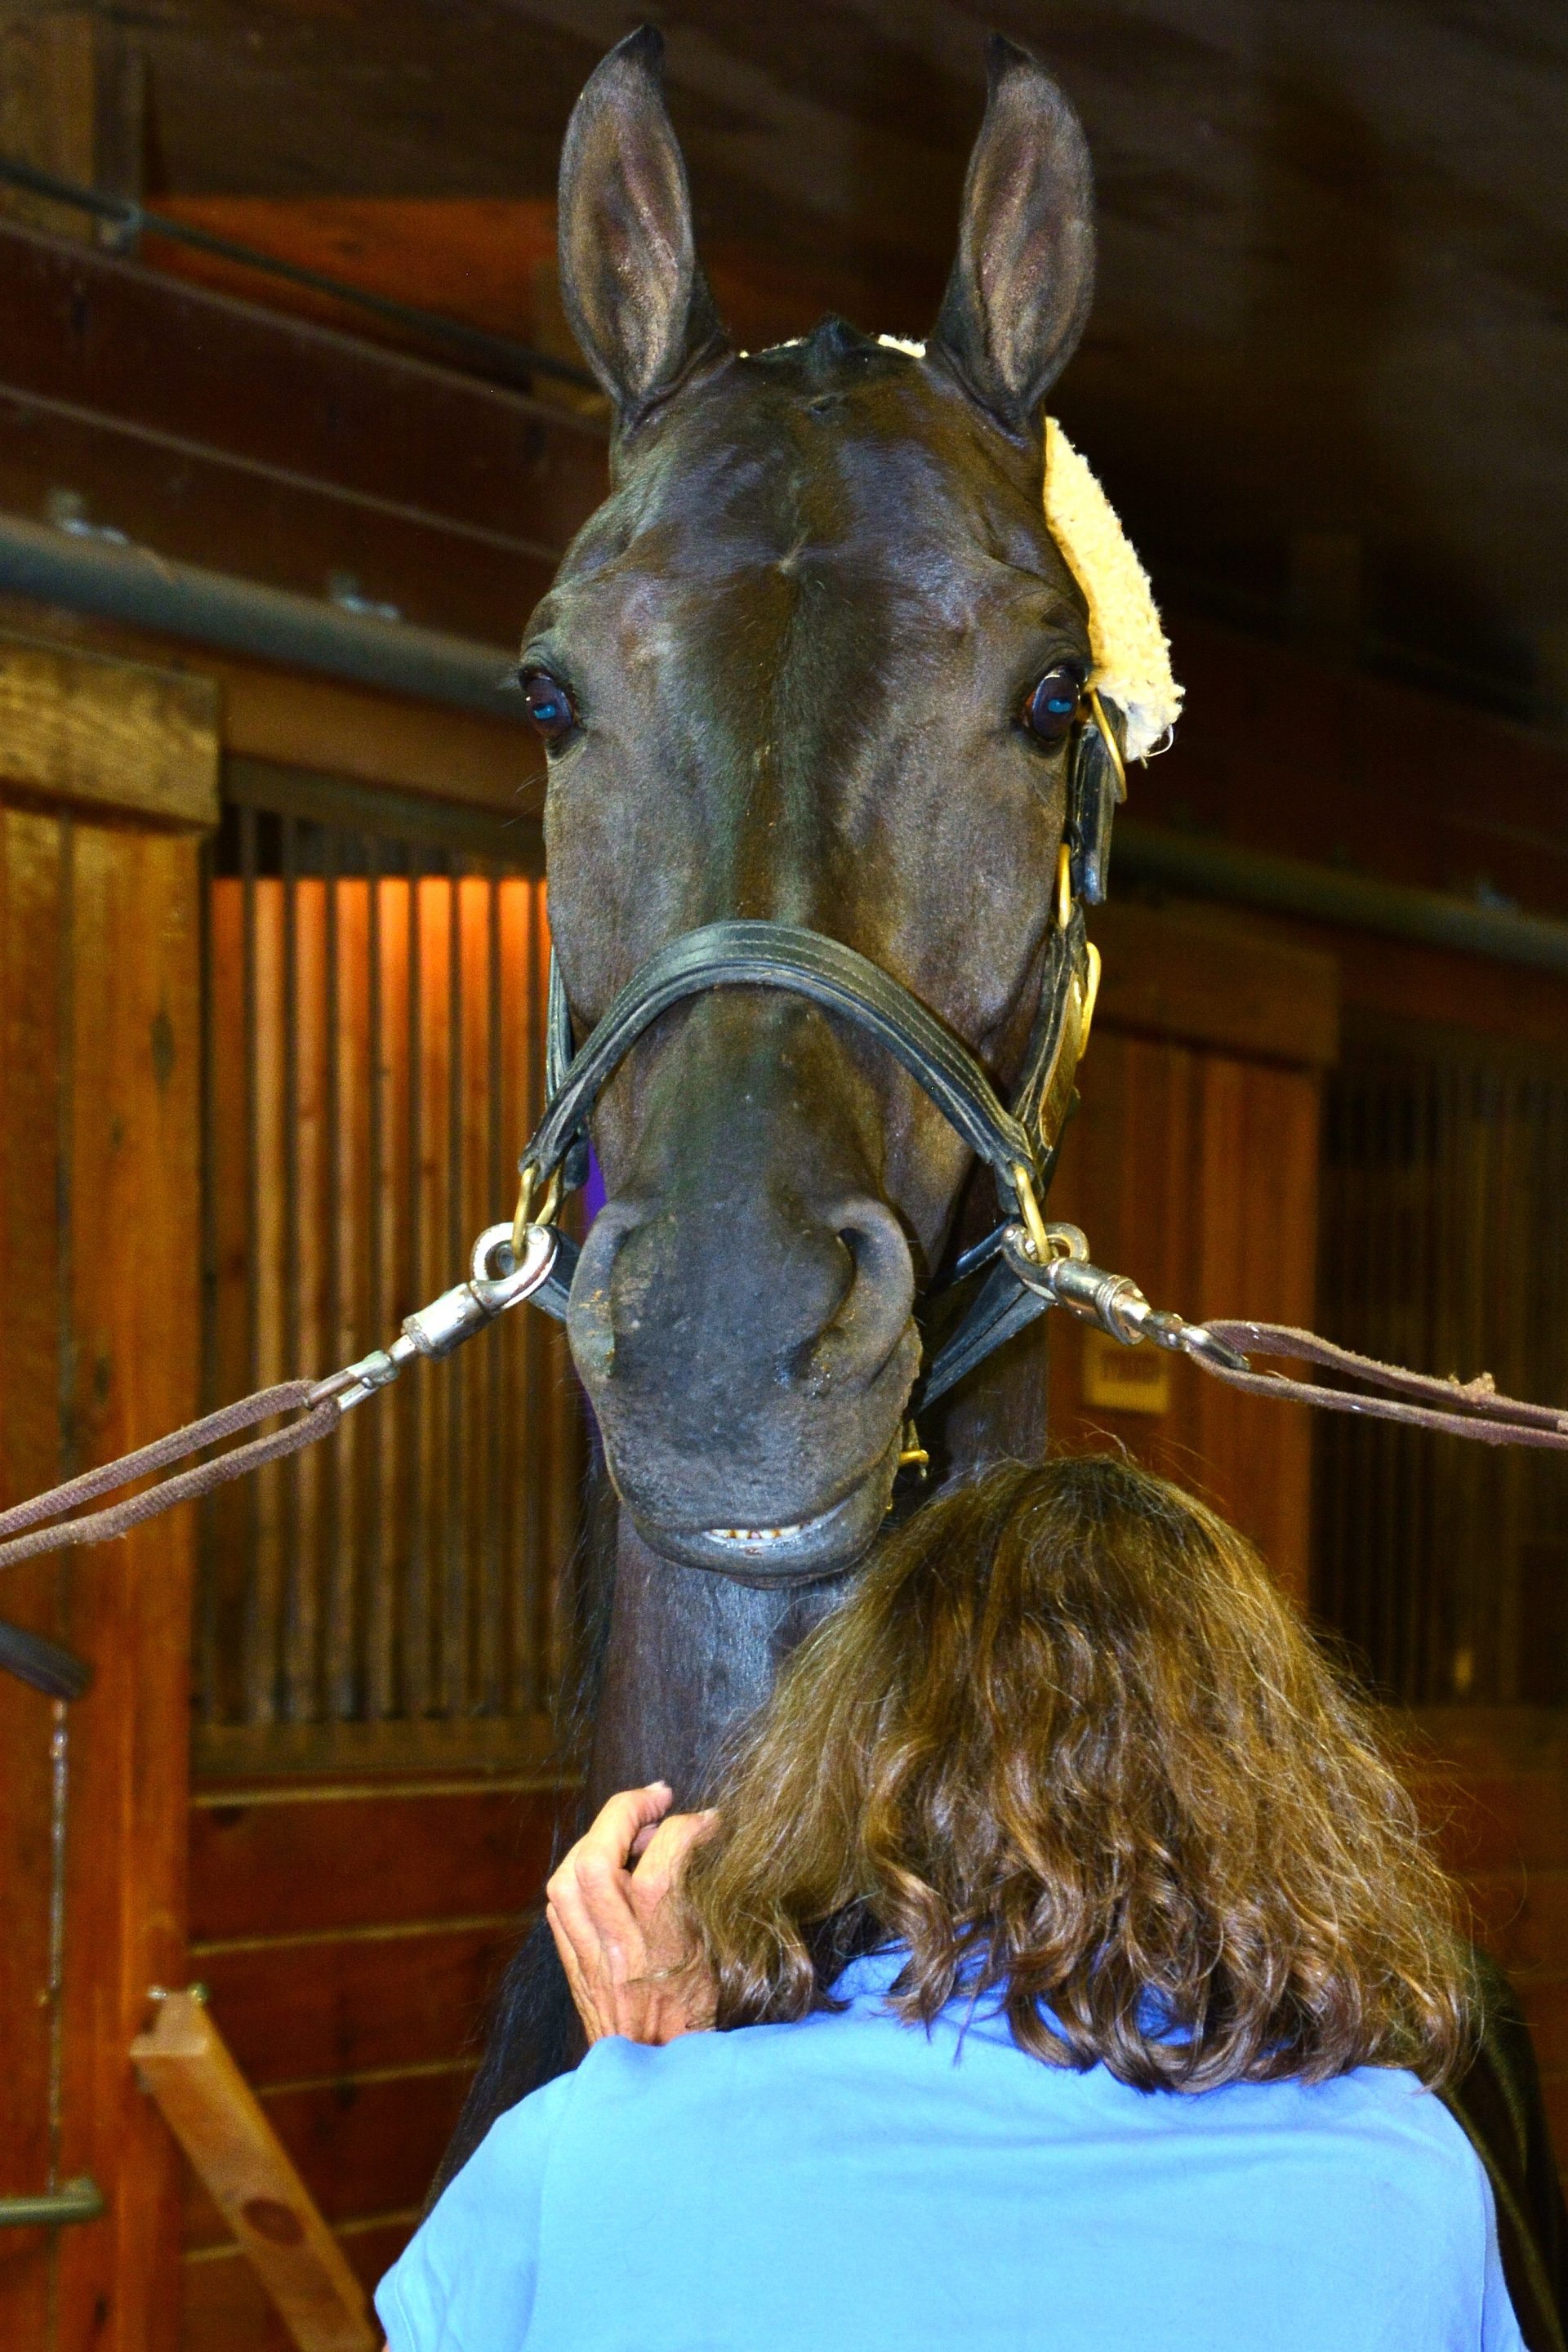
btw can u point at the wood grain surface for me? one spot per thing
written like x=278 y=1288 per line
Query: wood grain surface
x=241 y=2162
x=98 y=1018
x=114 y=734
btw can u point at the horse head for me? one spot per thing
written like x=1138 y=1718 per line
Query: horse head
x=814 y=660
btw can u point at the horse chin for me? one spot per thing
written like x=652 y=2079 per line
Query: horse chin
x=797 y=1551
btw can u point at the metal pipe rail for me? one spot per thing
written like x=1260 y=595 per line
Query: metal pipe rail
x=147 y=591
x=1294 y=885
x=74 y=2201
x=214 y=608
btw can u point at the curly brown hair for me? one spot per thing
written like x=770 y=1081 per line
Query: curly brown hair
x=1067 y=1743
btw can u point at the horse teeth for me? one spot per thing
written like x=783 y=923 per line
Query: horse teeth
x=755 y=1535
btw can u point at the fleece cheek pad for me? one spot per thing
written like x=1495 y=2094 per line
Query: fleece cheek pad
x=1131 y=658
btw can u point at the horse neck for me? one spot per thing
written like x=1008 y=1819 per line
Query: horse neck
x=690 y=1653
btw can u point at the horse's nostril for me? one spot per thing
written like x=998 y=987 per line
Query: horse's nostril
x=878 y=1296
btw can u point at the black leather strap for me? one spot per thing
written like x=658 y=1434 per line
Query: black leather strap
x=1044 y=1092
x=557 y=1032
x=1001 y=1308
x=782 y=955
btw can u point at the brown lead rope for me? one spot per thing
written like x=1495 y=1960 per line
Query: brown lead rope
x=47 y=1516
x=1419 y=1401
x=1459 y=1409
x=498 y=1280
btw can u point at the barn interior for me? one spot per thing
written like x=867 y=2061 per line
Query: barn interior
x=292 y=433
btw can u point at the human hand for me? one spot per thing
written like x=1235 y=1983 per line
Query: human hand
x=618 y=1940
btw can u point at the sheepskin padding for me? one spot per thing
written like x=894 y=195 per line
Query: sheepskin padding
x=1131 y=656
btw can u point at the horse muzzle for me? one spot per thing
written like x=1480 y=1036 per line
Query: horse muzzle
x=749 y=1375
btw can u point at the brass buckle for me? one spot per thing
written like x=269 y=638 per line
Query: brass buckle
x=523 y=1216
x=1035 y=1228
x=1107 y=734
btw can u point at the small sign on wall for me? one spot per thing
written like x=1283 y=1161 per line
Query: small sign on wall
x=1125 y=1380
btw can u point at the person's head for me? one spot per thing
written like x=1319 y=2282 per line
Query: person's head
x=1066 y=1741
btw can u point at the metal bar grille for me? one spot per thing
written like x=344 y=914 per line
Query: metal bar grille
x=1445 y=1245
x=375 y=1054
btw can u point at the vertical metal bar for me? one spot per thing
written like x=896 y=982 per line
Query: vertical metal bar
x=65 y=1158
x=1449 y=1311
x=454 y=1614
x=333 y=1543
x=1385 y=1306
x=60 y=1751
x=291 y=1691
x=1411 y=1278
x=59 y=1815
x=256 y=1633
x=379 y=1694
x=1352 y=1210
x=1507 y=1346
x=206 y=1629
x=1340 y=1241
x=1420 y=1595
x=538 y=1465
x=492 y=1603
x=1326 y=1476
x=416 y=1610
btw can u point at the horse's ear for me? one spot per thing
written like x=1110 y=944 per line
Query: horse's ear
x=630 y=279
x=1024 y=279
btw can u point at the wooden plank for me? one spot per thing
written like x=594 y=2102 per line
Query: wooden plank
x=47 y=93
x=377 y=1997
x=312 y=722
x=203 y=506
x=274 y=1862
x=226 y=2308
x=517 y=1748
x=33 y=879
x=133 y=1095
x=1214 y=980
x=133 y=344
x=235 y=2150
x=1256 y=1189
x=1493 y=1785
x=114 y=734
x=1195 y=1172
x=360 y=2146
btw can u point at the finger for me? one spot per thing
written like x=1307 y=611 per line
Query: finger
x=613 y=1828
x=668 y=1848
x=592 y=1901
x=620 y=1820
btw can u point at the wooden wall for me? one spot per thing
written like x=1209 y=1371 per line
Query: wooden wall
x=1494 y=1785
x=351 y=1933
x=1193 y=1167
x=99 y=1059
x=350 y=1922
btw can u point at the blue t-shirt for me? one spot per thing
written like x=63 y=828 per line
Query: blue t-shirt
x=852 y=2181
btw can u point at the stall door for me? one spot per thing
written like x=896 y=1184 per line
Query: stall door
x=108 y=772
x=380 y=1625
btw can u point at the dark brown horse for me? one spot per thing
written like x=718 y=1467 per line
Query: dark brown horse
x=790 y=670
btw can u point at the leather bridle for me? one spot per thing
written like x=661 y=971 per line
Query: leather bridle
x=1028 y=1265
x=1019 y=1141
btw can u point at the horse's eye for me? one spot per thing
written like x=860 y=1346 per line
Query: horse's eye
x=551 y=712
x=1053 y=704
